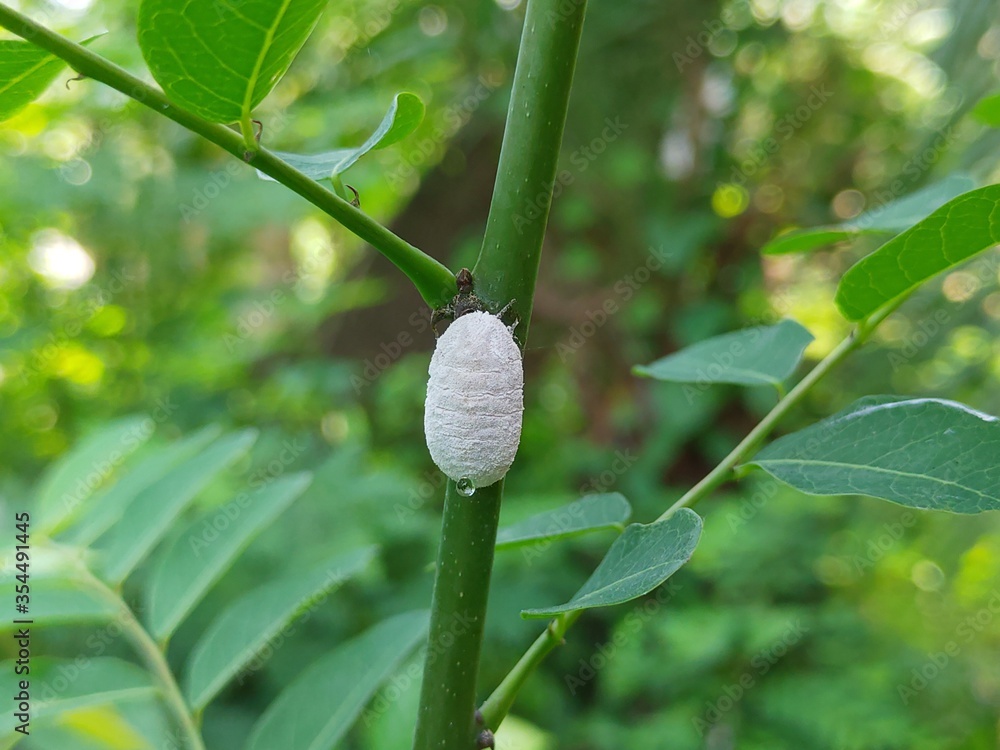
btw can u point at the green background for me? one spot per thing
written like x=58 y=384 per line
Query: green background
x=143 y=270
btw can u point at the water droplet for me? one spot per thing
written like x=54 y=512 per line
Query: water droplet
x=465 y=487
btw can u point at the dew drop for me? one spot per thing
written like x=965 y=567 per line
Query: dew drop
x=465 y=487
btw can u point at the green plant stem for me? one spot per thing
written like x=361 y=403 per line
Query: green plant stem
x=433 y=280
x=458 y=614
x=749 y=445
x=250 y=144
x=496 y=707
x=508 y=262
x=506 y=270
x=155 y=662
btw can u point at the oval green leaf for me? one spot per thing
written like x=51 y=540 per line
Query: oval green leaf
x=208 y=547
x=888 y=218
x=948 y=237
x=344 y=681
x=25 y=72
x=403 y=117
x=149 y=517
x=235 y=638
x=762 y=355
x=923 y=453
x=987 y=110
x=85 y=468
x=219 y=59
x=103 y=510
x=590 y=513
x=640 y=560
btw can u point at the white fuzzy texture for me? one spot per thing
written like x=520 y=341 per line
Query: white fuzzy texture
x=475 y=398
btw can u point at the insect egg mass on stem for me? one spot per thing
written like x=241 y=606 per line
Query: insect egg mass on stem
x=472 y=416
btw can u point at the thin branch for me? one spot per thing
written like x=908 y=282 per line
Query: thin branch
x=499 y=703
x=154 y=659
x=433 y=280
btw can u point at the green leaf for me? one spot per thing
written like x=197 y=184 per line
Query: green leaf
x=219 y=59
x=235 y=638
x=987 y=110
x=923 y=453
x=147 y=519
x=951 y=235
x=403 y=117
x=804 y=240
x=589 y=513
x=63 y=685
x=640 y=560
x=763 y=355
x=207 y=548
x=25 y=72
x=104 y=510
x=60 y=600
x=84 y=468
x=319 y=707
x=886 y=219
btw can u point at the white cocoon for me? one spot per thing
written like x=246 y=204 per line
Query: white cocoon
x=475 y=398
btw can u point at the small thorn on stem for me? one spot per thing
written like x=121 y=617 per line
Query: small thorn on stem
x=356 y=200
x=80 y=77
x=260 y=129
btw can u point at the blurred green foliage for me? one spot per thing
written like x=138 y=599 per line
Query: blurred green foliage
x=142 y=271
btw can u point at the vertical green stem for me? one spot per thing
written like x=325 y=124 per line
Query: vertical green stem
x=508 y=263
x=461 y=590
x=506 y=270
